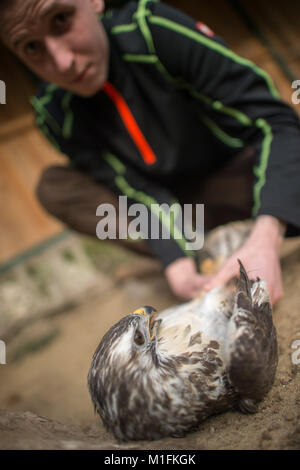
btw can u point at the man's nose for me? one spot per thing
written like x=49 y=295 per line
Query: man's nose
x=61 y=55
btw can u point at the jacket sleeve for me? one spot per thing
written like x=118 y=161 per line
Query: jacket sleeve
x=165 y=239
x=241 y=102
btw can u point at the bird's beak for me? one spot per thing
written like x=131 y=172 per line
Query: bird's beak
x=150 y=313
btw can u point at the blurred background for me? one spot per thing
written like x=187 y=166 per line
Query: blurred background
x=59 y=292
x=264 y=32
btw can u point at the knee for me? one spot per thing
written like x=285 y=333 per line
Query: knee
x=50 y=187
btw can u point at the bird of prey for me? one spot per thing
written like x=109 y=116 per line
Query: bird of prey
x=160 y=374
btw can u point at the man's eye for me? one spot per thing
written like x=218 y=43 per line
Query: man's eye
x=61 y=20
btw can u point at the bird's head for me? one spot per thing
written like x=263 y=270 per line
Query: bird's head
x=130 y=341
x=125 y=374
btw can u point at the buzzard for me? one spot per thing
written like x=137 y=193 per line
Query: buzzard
x=160 y=374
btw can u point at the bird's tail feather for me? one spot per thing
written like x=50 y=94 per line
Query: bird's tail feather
x=251 y=345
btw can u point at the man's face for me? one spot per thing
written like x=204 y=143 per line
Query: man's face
x=62 y=41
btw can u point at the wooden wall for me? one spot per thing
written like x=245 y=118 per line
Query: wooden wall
x=24 y=152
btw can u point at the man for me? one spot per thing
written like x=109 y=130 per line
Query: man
x=143 y=98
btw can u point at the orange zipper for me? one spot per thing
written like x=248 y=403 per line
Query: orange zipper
x=130 y=124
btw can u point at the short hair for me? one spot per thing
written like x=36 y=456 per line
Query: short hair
x=4 y=4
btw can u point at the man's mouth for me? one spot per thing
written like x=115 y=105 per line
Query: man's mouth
x=80 y=76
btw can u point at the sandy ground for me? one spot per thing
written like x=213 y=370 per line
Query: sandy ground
x=47 y=366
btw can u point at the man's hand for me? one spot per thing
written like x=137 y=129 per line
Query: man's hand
x=183 y=278
x=260 y=257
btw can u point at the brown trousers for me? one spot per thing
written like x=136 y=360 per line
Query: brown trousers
x=72 y=197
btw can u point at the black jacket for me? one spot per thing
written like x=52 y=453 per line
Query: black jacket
x=176 y=99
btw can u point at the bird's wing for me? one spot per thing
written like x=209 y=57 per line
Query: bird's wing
x=251 y=343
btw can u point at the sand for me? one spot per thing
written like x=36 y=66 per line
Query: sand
x=49 y=380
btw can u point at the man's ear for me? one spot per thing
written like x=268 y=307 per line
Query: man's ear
x=97 y=5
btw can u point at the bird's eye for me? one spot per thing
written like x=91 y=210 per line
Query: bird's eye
x=139 y=338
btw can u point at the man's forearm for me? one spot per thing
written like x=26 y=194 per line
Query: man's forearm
x=270 y=228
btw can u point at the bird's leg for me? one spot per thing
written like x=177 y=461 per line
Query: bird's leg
x=209 y=265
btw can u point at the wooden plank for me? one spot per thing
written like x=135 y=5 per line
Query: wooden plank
x=19 y=87
x=23 y=222
x=225 y=22
x=15 y=126
x=280 y=23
